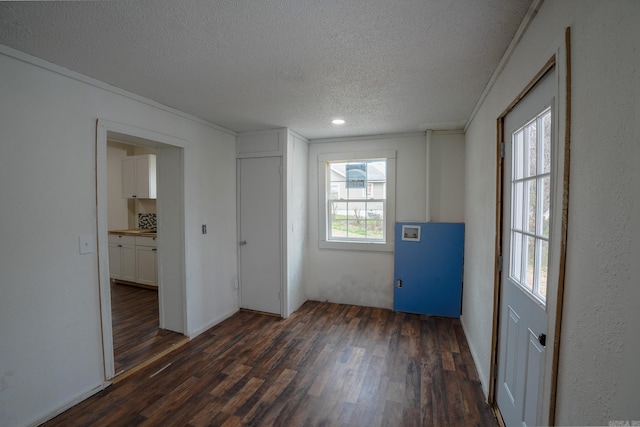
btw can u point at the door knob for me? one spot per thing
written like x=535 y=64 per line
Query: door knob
x=243 y=242
x=542 y=339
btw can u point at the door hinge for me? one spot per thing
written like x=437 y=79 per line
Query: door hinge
x=495 y=371
x=500 y=262
x=502 y=150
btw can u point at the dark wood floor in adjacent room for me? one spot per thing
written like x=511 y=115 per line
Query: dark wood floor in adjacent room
x=136 y=332
x=326 y=365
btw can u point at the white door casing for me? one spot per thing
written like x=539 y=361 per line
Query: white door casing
x=260 y=233
x=528 y=203
x=171 y=239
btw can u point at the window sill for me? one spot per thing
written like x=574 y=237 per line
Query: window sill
x=356 y=246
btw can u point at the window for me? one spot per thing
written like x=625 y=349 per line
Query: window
x=531 y=205
x=357 y=204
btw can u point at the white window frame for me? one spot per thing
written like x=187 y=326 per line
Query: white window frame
x=324 y=190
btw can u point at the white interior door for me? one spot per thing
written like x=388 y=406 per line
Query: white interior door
x=528 y=180
x=260 y=233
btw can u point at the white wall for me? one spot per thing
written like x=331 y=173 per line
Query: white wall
x=358 y=277
x=599 y=327
x=51 y=349
x=297 y=202
x=446 y=176
x=366 y=278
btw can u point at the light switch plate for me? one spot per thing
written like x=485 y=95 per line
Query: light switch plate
x=87 y=244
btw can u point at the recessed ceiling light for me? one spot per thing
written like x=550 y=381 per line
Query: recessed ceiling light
x=338 y=121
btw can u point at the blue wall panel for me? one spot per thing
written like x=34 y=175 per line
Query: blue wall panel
x=430 y=270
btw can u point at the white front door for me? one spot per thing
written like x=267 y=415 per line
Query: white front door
x=260 y=207
x=528 y=179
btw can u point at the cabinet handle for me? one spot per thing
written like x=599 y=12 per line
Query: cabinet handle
x=119 y=246
x=154 y=249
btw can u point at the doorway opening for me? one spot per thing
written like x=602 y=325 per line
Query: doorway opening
x=133 y=272
x=139 y=325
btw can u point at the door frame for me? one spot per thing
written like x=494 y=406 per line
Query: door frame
x=555 y=302
x=171 y=258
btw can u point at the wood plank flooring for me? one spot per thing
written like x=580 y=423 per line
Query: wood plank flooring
x=135 y=321
x=326 y=365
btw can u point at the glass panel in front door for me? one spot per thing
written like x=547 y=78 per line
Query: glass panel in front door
x=531 y=205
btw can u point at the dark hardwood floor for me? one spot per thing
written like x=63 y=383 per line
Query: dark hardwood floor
x=326 y=365
x=136 y=333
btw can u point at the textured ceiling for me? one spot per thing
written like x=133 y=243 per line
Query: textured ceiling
x=384 y=66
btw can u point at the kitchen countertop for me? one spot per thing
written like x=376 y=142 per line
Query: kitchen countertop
x=143 y=232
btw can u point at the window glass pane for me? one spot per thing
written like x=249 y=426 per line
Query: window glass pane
x=517 y=163
x=334 y=193
x=356 y=211
x=531 y=195
x=356 y=229
x=375 y=210
x=529 y=258
x=356 y=175
x=515 y=270
x=377 y=190
x=543 y=254
x=546 y=205
x=338 y=228
x=351 y=185
x=516 y=206
x=338 y=173
x=546 y=143
x=338 y=219
x=375 y=229
x=531 y=205
x=531 y=146
x=356 y=193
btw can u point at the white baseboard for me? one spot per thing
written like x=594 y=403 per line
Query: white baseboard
x=55 y=412
x=483 y=380
x=213 y=323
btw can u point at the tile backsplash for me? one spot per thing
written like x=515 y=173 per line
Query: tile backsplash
x=147 y=220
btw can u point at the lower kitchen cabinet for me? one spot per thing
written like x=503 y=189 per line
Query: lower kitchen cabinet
x=146 y=261
x=122 y=257
x=133 y=259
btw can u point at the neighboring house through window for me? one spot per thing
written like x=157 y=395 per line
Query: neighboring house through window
x=357 y=200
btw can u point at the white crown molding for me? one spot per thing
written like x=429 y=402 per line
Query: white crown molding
x=367 y=137
x=522 y=29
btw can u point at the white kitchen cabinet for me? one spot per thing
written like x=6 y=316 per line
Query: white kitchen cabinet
x=146 y=261
x=139 y=177
x=122 y=257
